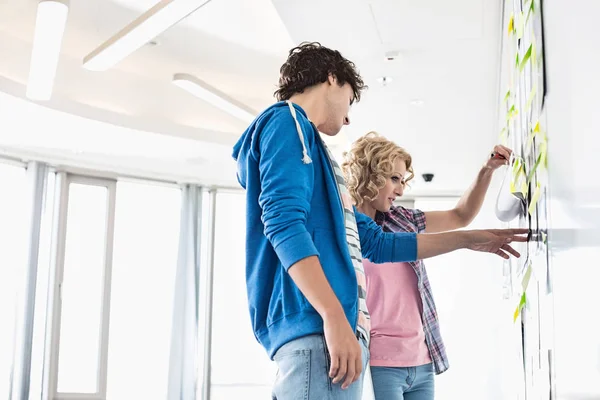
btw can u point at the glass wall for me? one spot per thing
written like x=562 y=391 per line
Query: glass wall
x=142 y=290
x=134 y=302
x=13 y=254
x=82 y=289
x=240 y=366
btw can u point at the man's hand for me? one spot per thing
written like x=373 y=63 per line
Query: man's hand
x=499 y=157
x=496 y=241
x=344 y=349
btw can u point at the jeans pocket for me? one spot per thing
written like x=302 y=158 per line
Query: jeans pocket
x=293 y=376
x=327 y=361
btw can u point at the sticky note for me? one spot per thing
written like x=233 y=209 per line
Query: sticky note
x=503 y=137
x=532 y=134
x=535 y=198
x=530 y=9
x=526 y=57
x=544 y=154
x=511 y=25
x=522 y=303
x=526 y=276
x=512 y=112
x=507 y=96
x=530 y=98
x=535 y=167
x=518 y=181
x=520 y=25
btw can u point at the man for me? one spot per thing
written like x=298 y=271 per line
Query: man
x=304 y=271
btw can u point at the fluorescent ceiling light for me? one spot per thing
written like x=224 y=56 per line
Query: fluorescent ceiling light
x=49 y=28
x=213 y=96
x=146 y=27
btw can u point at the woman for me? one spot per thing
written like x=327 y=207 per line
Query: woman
x=406 y=345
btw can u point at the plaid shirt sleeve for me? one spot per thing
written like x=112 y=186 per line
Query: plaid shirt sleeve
x=419 y=219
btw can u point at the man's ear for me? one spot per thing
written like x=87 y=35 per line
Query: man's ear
x=331 y=79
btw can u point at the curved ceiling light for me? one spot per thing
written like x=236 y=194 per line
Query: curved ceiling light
x=49 y=29
x=142 y=30
x=213 y=96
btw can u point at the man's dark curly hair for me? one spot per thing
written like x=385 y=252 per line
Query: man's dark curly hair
x=310 y=64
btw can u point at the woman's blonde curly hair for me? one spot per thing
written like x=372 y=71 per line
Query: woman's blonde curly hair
x=369 y=163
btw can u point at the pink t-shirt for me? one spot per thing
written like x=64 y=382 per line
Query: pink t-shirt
x=394 y=302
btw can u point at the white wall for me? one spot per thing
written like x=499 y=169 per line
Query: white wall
x=467 y=288
x=573 y=56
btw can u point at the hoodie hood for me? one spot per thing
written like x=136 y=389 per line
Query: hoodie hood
x=247 y=145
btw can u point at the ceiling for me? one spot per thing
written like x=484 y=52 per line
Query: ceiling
x=448 y=56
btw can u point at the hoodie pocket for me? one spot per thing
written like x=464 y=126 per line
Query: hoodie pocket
x=286 y=298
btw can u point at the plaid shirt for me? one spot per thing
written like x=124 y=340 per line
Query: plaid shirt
x=400 y=219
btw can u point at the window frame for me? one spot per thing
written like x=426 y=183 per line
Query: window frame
x=63 y=182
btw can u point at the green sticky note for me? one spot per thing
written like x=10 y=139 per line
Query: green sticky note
x=530 y=8
x=535 y=166
x=512 y=112
x=507 y=96
x=526 y=57
x=520 y=307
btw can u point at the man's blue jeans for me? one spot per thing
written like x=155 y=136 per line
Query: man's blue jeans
x=304 y=372
x=403 y=383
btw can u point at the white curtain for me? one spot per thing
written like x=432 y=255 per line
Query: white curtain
x=184 y=337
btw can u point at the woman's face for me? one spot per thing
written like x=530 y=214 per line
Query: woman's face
x=394 y=187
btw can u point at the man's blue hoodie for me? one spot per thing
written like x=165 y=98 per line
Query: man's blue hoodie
x=293 y=211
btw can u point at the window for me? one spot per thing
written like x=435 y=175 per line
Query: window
x=240 y=365
x=142 y=290
x=116 y=253
x=13 y=210
x=82 y=289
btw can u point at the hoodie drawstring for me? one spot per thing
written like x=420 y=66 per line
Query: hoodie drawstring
x=305 y=157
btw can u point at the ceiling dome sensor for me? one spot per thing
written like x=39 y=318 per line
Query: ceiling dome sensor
x=428 y=177
x=384 y=80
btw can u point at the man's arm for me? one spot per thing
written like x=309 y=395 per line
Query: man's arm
x=471 y=201
x=344 y=349
x=286 y=189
